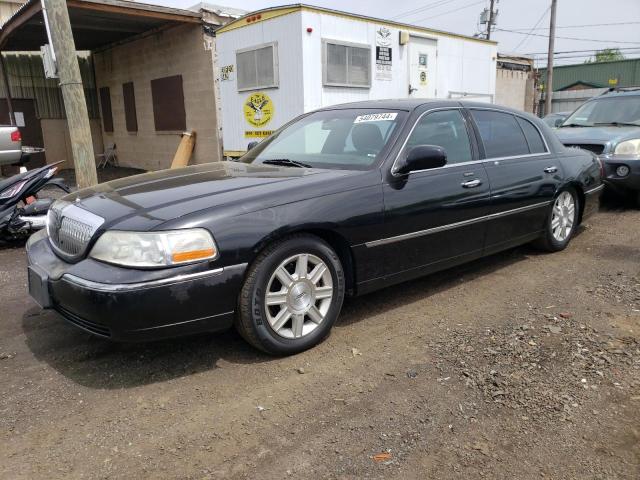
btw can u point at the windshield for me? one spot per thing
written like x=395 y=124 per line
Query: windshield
x=607 y=111
x=350 y=139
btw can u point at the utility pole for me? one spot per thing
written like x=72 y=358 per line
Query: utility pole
x=491 y=20
x=59 y=27
x=552 y=39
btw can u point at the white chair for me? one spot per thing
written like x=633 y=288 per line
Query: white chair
x=109 y=157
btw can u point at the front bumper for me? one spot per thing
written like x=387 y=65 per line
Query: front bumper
x=630 y=182
x=133 y=305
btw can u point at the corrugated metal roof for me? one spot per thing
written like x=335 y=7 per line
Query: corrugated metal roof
x=627 y=72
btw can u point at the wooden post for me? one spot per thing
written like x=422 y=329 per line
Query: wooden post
x=548 y=90
x=72 y=91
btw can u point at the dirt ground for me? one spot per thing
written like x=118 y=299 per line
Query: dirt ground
x=522 y=365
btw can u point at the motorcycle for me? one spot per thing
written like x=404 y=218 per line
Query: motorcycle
x=21 y=211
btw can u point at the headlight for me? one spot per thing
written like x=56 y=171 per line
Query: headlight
x=629 y=147
x=12 y=190
x=155 y=249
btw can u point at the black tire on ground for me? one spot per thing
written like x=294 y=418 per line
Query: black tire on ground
x=252 y=321
x=547 y=242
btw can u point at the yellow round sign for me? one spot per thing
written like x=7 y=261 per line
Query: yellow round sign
x=258 y=109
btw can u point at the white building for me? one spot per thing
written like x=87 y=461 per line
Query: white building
x=278 y=63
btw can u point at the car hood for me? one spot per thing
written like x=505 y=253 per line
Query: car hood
x=145 y=201
x=608 y=136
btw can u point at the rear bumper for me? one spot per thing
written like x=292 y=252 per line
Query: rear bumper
x=180 y=302
x=630 y=182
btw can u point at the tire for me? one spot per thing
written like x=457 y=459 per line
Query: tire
x=552 y=240
x=300 y=314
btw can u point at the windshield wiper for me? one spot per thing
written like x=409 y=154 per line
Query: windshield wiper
x=573 y=125
x=619 y=124
x=286 y=162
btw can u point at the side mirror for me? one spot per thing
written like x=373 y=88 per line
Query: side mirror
x=423 y=157
x=251 y=145
x=558 y=122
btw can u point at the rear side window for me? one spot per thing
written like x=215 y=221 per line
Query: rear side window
x=536 y=144
x=501 y=134
x=445 y=129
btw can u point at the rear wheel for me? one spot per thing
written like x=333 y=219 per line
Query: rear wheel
x=292 y=296
x=561 y=223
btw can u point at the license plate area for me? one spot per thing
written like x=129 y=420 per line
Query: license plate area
x=39 y=286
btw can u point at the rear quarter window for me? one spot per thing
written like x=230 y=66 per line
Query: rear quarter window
x=534 y=139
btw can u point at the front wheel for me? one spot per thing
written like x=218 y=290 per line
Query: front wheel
x=561 y=222
x=292 y=296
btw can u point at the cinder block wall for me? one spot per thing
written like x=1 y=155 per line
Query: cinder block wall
x=512 y=89
x=178 y=50
x=57 y=144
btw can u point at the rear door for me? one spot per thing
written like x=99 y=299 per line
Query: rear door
x=434 y=218
x=524 y=176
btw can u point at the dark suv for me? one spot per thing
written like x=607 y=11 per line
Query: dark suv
x=609 y=126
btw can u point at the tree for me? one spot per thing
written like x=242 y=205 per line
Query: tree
x=606 y=55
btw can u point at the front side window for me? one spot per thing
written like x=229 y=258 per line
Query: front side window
x=257 y=67
x=346 y=65
x=445 y=129
x=501 y=134
x=621 y=110
x=351 y=139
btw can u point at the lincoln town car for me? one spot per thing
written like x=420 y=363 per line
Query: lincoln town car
x=341 y=201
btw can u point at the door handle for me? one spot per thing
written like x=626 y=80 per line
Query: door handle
x=472 y=183
x=552 y=169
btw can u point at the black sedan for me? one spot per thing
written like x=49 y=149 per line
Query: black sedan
x=340 y=201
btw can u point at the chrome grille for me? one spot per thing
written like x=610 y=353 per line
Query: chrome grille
x=73 y=236
x=71 y=229
x=592 y=147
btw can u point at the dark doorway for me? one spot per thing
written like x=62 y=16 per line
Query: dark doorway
x=32 y=130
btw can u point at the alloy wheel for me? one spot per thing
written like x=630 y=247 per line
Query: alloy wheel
x=563 y=216
x=298 y=295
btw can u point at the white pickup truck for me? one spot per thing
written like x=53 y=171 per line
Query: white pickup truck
x=10 y=145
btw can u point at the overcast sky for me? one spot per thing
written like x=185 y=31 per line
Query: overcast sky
x=461 y=16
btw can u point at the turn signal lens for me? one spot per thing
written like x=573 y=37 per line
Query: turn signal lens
x=193 y=255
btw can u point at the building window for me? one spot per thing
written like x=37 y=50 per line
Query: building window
x=257 y=67
x=130 y=116
x=346 y=65
x=168 y=104
x=105 y=106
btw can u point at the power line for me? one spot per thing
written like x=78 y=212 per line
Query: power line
x=568 y=38
x=578 y=26
x=450 y=11
x=544 y=14
x=422 y=9
x=579 y=51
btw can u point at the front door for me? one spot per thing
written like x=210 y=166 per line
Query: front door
x=433 y=218
x=422 y=67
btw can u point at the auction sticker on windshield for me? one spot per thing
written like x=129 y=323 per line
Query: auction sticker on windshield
x=375 y=117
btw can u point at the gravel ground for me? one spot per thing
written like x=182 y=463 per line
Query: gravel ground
x=522 y=365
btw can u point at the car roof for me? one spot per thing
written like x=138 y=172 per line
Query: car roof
x=618 y=93
x=410 y=104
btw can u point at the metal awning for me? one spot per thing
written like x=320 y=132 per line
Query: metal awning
x=95 y=23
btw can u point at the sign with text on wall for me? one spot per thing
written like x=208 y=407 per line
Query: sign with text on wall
x=258 y=110
x=226 y=73
x=384 y=54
